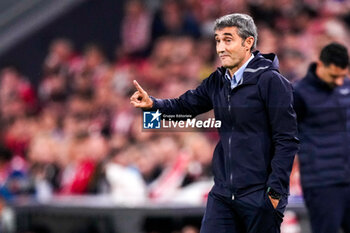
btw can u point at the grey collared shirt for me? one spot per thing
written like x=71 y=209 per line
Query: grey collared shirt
x=237 y=77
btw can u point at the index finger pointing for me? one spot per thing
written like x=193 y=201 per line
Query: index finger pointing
x=138 y=87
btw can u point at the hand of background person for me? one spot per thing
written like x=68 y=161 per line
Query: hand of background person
x=274 y=202
x=140 y=99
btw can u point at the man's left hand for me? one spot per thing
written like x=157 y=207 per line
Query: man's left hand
x=274 y=202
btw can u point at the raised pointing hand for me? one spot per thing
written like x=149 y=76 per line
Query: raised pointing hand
x=140 y=98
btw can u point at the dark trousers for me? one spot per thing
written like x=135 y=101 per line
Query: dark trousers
x=252 y=213
x=329 y=208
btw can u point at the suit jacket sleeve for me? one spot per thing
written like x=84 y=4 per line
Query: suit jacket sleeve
x=278 y=97
x=192 y=102
x=299 y=105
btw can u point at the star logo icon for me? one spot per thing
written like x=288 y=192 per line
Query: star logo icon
x=155 y=115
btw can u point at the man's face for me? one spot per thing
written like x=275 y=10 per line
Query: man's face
x=231 y=48
x=333 y=75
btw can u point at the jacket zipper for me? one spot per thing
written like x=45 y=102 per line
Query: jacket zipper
x=229 y=146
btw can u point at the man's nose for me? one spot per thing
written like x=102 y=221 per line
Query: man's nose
x=220 y=47
x=339 y=81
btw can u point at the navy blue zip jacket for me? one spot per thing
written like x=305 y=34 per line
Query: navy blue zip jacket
x=258 y=132
x=324 y=129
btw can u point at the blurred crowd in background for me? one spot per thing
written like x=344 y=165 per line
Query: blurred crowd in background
x=76 y=132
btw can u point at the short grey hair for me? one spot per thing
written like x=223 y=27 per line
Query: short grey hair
x=243 y=22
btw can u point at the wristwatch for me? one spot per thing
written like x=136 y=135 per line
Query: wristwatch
x=273 y=194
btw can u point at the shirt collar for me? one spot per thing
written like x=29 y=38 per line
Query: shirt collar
x=239 y=73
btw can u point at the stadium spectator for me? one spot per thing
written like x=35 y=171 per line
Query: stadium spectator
x=126 y=182
x=171 y=20
x=16 y=89
x=136 y=29
x=61 y=58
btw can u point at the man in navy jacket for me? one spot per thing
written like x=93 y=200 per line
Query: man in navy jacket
x=253 y=159
x=322 y=103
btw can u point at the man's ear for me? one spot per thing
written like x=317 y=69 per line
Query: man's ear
x=320 y=66
x=319 y=63
x=249 y=42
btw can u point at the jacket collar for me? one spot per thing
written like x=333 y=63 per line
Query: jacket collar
x=259 y=64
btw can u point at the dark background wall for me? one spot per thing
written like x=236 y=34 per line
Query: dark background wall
x=92 y=21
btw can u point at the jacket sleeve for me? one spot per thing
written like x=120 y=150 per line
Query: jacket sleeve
x=192 y=102
x=278 y=96
x=299 y=105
